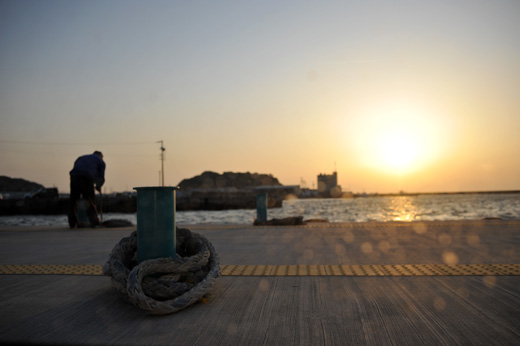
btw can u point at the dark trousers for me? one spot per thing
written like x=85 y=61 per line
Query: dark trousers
x=81 y=185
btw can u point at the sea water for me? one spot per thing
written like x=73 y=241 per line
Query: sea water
x=360 y=209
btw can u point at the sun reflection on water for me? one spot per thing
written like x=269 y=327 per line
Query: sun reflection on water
x=402 y=208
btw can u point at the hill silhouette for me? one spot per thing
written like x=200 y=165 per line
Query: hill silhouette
x=8 y=184
x=209 y=180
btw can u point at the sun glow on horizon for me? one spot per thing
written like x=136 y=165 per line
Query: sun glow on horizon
x=399 y=150
x=396 y=138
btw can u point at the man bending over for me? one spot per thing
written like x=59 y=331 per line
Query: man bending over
x=88 y=171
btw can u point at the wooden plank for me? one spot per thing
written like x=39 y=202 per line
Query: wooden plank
x=334 y=244
x=289 y=310
x=428 y=303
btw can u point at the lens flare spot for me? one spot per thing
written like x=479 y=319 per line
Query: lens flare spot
x=291 y=198
x=490 y=281
x=264 y=285
x=439 y=304
x=366 y=248
x=419 y=228
x=348 y=237
x=384 y=246
x=473 y=240
x=450 y=258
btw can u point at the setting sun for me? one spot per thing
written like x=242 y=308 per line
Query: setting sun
x=396 y=138
x=399 y=150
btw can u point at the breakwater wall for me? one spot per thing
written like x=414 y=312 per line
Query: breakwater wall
x=197 y=199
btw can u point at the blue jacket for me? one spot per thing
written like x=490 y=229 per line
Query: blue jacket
x=91 y=166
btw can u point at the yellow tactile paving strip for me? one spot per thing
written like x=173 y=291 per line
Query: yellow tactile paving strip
x=57 y=269
x=371 y=270
x=298 y=270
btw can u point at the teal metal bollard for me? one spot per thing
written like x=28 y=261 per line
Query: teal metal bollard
x=261 y=207
x=155 y=222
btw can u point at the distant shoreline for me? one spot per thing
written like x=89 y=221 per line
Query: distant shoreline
x=435 y=193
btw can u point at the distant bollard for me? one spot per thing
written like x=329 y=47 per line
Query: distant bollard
x=155 y=222
x=261 y=207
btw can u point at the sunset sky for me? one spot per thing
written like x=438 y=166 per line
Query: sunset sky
x=420 y=96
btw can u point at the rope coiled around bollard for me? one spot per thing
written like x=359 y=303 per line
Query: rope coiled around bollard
x=164 y=285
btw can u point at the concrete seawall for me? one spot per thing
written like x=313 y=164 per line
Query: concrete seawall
x=198 y=199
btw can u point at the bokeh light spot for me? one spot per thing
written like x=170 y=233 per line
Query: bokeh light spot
x=264 y=285
x=366 y=248
x=450 y=258
x=490 y=281
x=439 y=304
x=348 y=237
x=419 y=228
x=384 y=246
x=473 y=240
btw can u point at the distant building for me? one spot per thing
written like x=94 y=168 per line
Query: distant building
x=328 y=185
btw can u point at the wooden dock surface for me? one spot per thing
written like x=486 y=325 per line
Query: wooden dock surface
x=386 y=309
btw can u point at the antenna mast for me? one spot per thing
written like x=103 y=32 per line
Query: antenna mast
x=162 y=162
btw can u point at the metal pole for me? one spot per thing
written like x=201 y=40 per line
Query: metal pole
x=101 y=205
x=162 y=166
x=162 y=162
